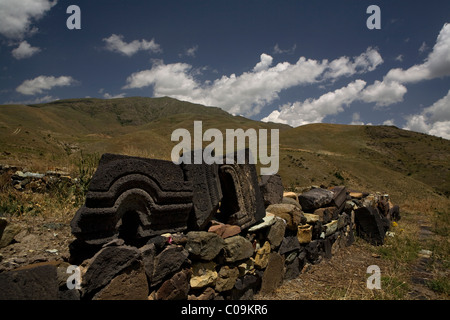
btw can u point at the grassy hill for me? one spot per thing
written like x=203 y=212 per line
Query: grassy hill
x=408 y=165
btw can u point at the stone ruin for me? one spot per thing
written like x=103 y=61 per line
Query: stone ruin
x=151 y=229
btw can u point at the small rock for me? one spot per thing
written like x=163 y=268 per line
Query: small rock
x=268 y=220
x=311 y=218
x=9 y=232
x=356 y=195
x=237 y=248
x=203 y=274
x=207 y=294
x=291 y=195
x=262 y=256
x=226 y=278
x=425 y=253
x=168 y=262
x=304 y=233
x=331 y=227
x=225 y=230
x=292 y=214
x=130 y=284
x=176 y=288
x=288 y=200
x=204 y=245
x=276 y=233
x=289 y=243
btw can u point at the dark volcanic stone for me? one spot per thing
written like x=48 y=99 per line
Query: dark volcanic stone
x=133 y=198
x=371 y=225
x=169 y=261
x=204 y=245
x=176 y=288
x=33 y=282
x=207 y=192
x=274 y=273
x=315 y=198
x=271 y=189
x=105 y=265
x=242 y=202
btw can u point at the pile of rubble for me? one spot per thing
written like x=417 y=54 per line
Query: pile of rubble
x=22 y=179
x=150 y=229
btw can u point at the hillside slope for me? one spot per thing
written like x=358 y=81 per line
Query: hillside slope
x=406 y=164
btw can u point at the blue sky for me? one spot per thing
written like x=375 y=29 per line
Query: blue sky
x=293 y=62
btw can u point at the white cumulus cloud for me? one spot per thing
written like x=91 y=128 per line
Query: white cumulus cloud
x=43 y=83
x=434 y=120
x=344 y=66
x=24 y=50
x=384 y=93
x=16 y=16
x=315 y=110
x=115 y=43
x=247 y=93
x=436 y=65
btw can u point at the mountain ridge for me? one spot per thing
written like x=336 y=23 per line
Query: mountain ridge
x=384 y=158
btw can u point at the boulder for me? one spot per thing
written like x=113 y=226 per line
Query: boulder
x=168 y=262
x=290 y=213
x=371 y=225
x=237 y=248
x=32 y=282
x=271 y=189
x=315 y=198
x=105 y=265
x=204 y=245
x=130 y=284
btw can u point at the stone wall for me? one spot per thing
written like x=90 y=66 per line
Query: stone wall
x=150 y=229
